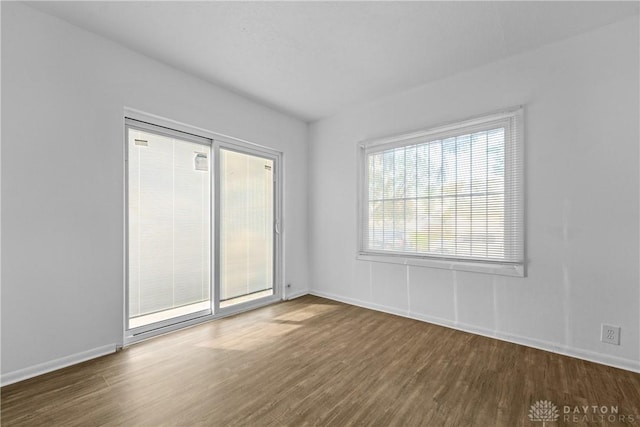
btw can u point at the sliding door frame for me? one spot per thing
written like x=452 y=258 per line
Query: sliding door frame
x=275 y=157
x=152 y=123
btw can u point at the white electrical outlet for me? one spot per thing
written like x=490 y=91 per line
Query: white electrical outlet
x=610 y=334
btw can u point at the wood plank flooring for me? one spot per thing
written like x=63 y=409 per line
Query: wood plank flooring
x=312 y=361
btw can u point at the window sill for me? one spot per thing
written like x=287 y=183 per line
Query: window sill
x=513 y=270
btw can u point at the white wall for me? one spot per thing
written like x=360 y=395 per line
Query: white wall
x=63 y=95
x=581 y=98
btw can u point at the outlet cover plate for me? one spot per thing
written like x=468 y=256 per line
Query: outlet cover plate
x=610 y=334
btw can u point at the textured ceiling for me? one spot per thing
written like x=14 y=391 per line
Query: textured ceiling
x=312 y=59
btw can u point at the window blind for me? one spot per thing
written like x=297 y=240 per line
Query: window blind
x=453 y=193
x=168 y=221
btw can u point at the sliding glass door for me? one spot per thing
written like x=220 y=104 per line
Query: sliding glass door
x=202 y=228
x=169 y=225
x=246 y=227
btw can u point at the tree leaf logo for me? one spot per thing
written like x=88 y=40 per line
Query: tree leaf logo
x=545 y=411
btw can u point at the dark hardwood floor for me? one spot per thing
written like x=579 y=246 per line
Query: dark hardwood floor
x=312 y=361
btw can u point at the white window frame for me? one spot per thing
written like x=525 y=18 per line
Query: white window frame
x=513 y=121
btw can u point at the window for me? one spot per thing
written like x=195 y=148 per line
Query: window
x=448 y=197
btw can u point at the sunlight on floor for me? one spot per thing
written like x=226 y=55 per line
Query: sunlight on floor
x=258 y=334
x=307 y=312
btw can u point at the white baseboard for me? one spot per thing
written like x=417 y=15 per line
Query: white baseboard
x=603 y=359
x=53 y=365
x=298 y=294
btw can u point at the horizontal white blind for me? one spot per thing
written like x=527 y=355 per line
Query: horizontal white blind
x=168 y=221
x=246 y=224
x=456 y=195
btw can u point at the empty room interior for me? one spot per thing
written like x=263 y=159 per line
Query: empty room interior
x=320 y=213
